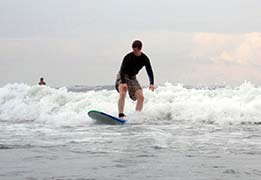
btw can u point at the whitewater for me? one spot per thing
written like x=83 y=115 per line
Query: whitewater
x=182 y=133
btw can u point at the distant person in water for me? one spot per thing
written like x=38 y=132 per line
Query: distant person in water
x=42 y=82
x=126 y=80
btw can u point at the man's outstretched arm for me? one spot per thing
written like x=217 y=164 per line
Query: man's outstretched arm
x=149 y=72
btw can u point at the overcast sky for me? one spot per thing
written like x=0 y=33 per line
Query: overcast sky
x=73 y=42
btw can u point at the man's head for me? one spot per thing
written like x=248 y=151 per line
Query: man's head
x=137 y=46
x=41 y=79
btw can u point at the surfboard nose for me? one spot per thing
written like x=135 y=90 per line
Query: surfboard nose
x=103 y=118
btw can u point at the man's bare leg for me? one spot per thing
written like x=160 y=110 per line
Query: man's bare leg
x=140 y=99
x=121 y=102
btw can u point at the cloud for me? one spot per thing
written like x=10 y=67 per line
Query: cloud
x=240 y=49
x=202 y=47
x=189 y=58
x=207 y=57
x=247 y=52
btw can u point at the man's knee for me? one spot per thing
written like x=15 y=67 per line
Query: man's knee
x=123 y=92
x=140 y=96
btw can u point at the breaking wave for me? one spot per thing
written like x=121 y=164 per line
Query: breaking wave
x=21 y=103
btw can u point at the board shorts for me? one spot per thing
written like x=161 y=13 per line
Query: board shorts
x=132 y=83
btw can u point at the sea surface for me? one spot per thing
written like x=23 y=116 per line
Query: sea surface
x=183 y=133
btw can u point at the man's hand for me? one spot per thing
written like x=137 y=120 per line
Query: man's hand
x=152 y=87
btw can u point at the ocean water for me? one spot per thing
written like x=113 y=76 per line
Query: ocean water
x=182 y=133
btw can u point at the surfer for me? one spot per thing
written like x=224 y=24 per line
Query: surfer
x=42 y=81
x=126 y=80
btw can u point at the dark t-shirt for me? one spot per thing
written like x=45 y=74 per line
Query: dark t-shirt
x=131 y=65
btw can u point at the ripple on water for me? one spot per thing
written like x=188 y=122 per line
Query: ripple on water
x=25 y=146
x=230 y=171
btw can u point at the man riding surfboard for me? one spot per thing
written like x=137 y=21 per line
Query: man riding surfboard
x=126 y=80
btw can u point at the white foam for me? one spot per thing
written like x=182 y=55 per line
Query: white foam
x=169 y=103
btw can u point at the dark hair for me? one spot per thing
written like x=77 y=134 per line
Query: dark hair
x=41 y=79
x=137 y=44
